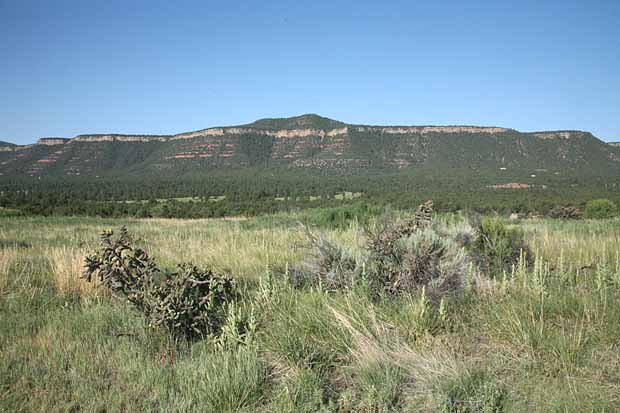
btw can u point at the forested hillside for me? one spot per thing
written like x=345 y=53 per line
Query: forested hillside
x=316 y=144
x=307 y=161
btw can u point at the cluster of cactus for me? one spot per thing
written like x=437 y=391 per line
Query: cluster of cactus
x=189 y=302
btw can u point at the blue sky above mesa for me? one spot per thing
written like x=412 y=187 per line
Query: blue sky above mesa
x=71 y=67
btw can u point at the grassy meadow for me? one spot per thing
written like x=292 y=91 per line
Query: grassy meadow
x=544 y=338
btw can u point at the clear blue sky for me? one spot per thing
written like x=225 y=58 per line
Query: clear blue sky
x=71 y=67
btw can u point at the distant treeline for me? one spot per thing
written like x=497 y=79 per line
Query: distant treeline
x=258 y=192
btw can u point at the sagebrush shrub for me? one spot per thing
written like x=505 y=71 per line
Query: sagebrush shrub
x=423 y=260
x=330 y=264
x=189 y=302
x=411 y=255
x=400 y=256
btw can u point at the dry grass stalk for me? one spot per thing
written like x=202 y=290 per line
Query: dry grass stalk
x=374 y=342
x=7 y=257
x=67 y=265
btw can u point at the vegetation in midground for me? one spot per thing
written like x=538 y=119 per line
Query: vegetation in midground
x=256 y=192
x=538 y=336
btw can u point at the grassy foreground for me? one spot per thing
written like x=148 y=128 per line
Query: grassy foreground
x=541 y=339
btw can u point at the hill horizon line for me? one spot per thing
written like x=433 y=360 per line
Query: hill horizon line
x=304 y=121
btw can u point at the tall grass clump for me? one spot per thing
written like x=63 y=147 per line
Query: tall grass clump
x=188 y=303
x=387 y=374
x=67 y=265
x=7 y=256
x=228 y=381
x=496 y=247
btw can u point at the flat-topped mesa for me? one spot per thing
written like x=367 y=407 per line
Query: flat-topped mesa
x=421 y=130
x=564 y=134
x=121 y=138
x=50 y=141
x=301 y=127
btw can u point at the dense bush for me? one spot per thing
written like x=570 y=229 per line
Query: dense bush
x=496 y=247
x=600 y=209
x=188 y=303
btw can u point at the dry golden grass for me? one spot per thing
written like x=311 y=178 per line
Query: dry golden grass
x=228 y=248
x=427 y=367
x=66 y=264
x=581 y=243
x=7 y=257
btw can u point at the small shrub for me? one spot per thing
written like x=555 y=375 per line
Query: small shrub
x=188 y=303
x=565 y=212
x=498 y=248
x=600 y=209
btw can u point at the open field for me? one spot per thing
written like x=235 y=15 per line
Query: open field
x=545 y=338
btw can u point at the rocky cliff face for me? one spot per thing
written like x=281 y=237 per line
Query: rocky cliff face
x=310 y=142
x=423 y=130
x=561 y=135
x=52 y=141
